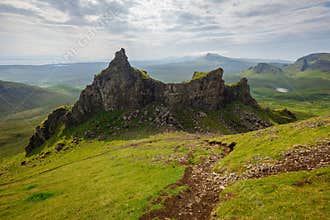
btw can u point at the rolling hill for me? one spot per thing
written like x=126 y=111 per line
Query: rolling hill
x=22 y=107
x=74 y=75
x=306 y=91
x=16 y=97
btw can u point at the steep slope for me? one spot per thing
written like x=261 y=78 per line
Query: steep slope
x=134 y=99
x=16 y=97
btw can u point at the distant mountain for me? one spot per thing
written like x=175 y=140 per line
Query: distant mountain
x=183 y=70
x=75 y=74
x=316 y=61
x=16 y=97
x=167 y=70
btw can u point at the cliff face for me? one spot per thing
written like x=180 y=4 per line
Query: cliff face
x=123 y=87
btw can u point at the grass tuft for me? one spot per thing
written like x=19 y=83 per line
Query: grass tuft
x=36 y=197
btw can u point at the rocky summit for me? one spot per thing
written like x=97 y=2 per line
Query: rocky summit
x=125 y=88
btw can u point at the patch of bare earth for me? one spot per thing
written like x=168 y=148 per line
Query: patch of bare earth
x=201 y=195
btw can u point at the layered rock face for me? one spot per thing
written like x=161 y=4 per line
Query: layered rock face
x=122 y=87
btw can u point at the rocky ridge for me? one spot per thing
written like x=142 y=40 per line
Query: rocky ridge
x=123 y=87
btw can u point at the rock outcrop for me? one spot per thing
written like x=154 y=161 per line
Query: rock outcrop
x=46 y=129
x=122 y=87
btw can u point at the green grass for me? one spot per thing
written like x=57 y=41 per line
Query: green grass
x=271 y=142
x=143 y=73
x=111 y=179
x=302 y=109
x=117 y=178
x=36 y=197
x=18 y=126
x=16 y=129
x=294 y=195
x=198 y=75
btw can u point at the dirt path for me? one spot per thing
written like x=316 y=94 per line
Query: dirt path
x=198 y=200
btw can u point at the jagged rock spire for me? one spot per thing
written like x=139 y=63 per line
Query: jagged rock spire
x=120 y=60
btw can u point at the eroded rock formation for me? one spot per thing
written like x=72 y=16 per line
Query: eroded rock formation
x=123 y=87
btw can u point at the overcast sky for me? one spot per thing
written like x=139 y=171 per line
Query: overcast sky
x=39 y=31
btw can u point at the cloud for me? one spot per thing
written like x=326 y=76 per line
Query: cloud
x=161 y=28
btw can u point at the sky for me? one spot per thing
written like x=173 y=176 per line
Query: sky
x=58 y=31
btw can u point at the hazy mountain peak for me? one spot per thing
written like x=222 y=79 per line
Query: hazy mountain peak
x=214 y=56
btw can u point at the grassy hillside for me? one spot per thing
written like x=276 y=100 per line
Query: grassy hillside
x=16 y=130
x=272 y=142
x=113 y=183
x=118 y=178
x=295 y=195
